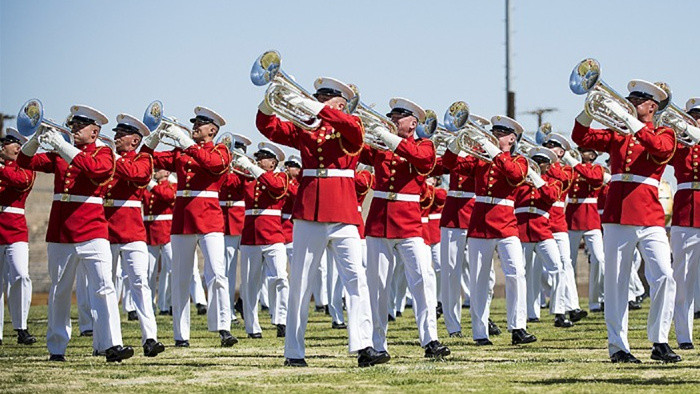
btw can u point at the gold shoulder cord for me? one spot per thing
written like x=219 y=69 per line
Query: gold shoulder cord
x=675 y=146
x=31 y=184
x=150 y=158
x=369 y=183
x=524 y=174
x=216 y=149
x=340 y=141
x=432 y=167
x=114 y=166
x=286 y=186
x=571 y=180
x=602 y=184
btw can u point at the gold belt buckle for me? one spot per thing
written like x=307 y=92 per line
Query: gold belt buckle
x=186 y=193
x=229 y=204
x=626 y=177
x=391 y=196
x=574 y=201
x=460 y=194
x=532 y=209
x=322 y=172
x=256 y=212
x=150 y=218
x=65 y=197
x=695 y=185
x=109 y=202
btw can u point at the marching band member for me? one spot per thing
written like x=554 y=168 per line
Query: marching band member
x=393 y=226
x=15 y=185
x=263 y=255
x=633 y=216
x=433 y=232
x=364 y=181
x=77 y=233
x=197 y=218
x=325 y=214
x=532 y=203
x=127 y=233
x=685 y=233
x=293 y=169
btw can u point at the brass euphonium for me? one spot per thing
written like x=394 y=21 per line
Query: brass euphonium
x=673 y=117
x=157 y=122
x=228 y=140
x=31 y=120
x=469 y=129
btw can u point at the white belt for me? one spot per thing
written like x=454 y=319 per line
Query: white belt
x=19 y=211
x=265 y=212
x=689 y=185
x=108 y=202
x=286 y=216
x=65 y=197
x=434 y=216
x=559 y=204
x=231 y=203
x=460 y=194
x=397 y=196
x=495 y=201
x=328 y=173
x=424 y=220
x=600 y=212
x=155 y=218
x=197 y=193
x=634 y=178
x=534 y=210
x=591 y=200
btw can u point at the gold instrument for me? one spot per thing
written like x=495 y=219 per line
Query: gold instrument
x=470 y=130
x=585 y=78
x=675 y=118
x=228 y=140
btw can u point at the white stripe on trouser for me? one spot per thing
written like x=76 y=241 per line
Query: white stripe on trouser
x=685 y=244
x=258 y=263
x=510 y=252
x=310 y=241
x=134 y=262
x=334 y=288
x=218 y=308
x=619 y=244
x=96 y=258
x=165 y=254
x=421 y=282
x=636 y=288
x=231 y=245
x=548 y=258
x=594 y=243
x=14 y=266
x=569 y=277
x=453 y=242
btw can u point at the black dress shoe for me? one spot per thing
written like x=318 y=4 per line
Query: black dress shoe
x=561 y=321
x=98 y=353
x=201 y=309
x=456 y=334
x=493 y=328
x=57 y=357
x=182 y=343
x=227 y=340
x=686 y=346
x=596 y=310
x=86 y=333
x=25 y=338
x=131 y=316
x=339 y=326
x=436 y=350
x=163 y=313
x=255 y=335
x=392 y=318
x=399 y=313
x=533 y=319
x=368 y=357
x=438 y=310
x=151 y=348
x=264 y=308
x=320 y=308
x=624 y=357
x=326 y=310
x=466 y=306
x=577 y=314
x=634 y=305
x=238 y=306
x=118 y=353
x=697 y=315
x=520 y=336
x=663 y=352
x=295 y=362
x=483 y=342
x=281 y=331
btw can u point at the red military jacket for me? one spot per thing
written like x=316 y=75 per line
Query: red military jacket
x=532 y=209
x=402 y=172
x=264 y=198
x=131 y=176
x=686 y=201
x=363 y=183
x=158 y=206
x=199 y=168
x=86 y=176
x=231 y=201
x=15 y=185
x=334 y=145
x=460 y=198
x=582 y=207
x=288 y=208
x=435 y=215
x=644 y=155
x=557 y=216
x=496 y=180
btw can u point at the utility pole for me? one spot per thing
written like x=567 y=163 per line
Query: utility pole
x=510 y=95
x=539 y=112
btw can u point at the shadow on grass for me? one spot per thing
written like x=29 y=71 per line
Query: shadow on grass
x=627 y=381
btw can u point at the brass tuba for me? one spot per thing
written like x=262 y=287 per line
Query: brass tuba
x=469 y=130
x=31 y=120
x=673 y=117
x=585 y=78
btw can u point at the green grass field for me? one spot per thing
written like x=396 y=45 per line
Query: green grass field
x=574 y=359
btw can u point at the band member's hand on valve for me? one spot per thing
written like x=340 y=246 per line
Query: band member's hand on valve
x=569 y=160
x=180 y=137
x=61 y=146
x=392 y=141
x=245 y=163
x=632 y=122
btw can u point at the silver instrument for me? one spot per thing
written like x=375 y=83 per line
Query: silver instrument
x=371 y=119
x=30 y=120
x=671 y=116
x=156 y=122
x=228 y=140
x=468 y=131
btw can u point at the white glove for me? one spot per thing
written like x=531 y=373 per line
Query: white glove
x=606 y=178
x=151 y=184
x=632 y=123
x=264 y=108
x=584 y=119
x=692 y=132
x=180 y=137
x=488 y=146
x=535 y=179
x=152 y=140
x=453 y=146
x=392 y=141
x=63 y=148
x=312 y=106
x=569 y=160
x=30 y=147
x=245 y=163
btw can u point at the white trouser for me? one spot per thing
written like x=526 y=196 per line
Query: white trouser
x=96 y=258
x=636 y=287
x=231 y=244
x=594 y=243
x=218 y=308
x=398 y=287
x=619 y=244
x=164 y=253
x=364 y=254
x=510 y=252
x=334 y=288
x=134 y=259
x=685 y=244
x=421 y=282
x=14 y=276
x=82 y=298
x=264 y=296
x=437 y=267
x=549 y=258
x=453 y=242
x=343 y=241
x=569 y=277
x=320 y=287
x=270 y=260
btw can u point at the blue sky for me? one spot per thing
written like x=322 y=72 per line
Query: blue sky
x=119 y=56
